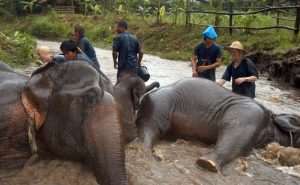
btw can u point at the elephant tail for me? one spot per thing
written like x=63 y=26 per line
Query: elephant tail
x=152 y=86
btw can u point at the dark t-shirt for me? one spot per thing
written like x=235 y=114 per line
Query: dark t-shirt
x=207 y=56
x=245 y=69
x=89 y=50
x=128 y=47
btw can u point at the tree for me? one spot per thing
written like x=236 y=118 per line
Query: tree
x=28 y=6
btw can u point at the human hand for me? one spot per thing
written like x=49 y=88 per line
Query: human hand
x=202 y=68
x=195 y=75
x=238 y=81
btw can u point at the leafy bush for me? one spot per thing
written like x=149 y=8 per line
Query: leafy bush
x=46 y=29
x=17 y=48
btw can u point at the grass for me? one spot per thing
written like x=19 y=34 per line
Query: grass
x=166 y=40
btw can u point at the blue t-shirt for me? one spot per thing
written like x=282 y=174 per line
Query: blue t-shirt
x=59 y=58
x=128 y=47
x=88 y=49
x=207 y=56
x=245 y=69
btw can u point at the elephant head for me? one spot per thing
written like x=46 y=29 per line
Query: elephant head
x=76 y=117
x=128 y=91
x=289 y=124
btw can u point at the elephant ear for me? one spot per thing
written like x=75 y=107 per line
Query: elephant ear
x=35 y=98
x=287 y=122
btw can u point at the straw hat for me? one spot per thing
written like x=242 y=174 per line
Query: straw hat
x=236 y=45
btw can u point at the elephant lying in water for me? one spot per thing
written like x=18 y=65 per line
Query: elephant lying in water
x=73 y=108
x=202 y=109
x=128 y=91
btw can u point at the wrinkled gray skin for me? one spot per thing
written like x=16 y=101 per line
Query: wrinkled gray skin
x=128 y=91
x=76 y=118
x=14 y=147
x=201 y=109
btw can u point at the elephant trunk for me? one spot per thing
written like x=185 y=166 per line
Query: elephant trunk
x=152 y=86
x=103 y=140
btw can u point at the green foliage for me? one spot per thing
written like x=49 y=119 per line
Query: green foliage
x=29 y=6
x=17 y=48
x=49 y=28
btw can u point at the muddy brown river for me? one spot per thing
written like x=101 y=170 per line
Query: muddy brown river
x=177 y=158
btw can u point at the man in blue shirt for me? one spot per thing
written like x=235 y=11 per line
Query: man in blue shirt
x=207 y=56
x=70 y=51
x=125 y=48
x=242 y=71
x=84 y=44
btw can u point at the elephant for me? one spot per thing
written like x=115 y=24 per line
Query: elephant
x=14 y=148
x=203 y=110
x=75 y=117
x=128 y=90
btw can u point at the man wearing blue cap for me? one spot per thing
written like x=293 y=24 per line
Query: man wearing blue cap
x=207 y=56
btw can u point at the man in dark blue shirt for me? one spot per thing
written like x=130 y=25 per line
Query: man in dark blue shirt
x=207 y=56
x=70 y=52
x=84 y=44
x=241 y=70
x=125 y=48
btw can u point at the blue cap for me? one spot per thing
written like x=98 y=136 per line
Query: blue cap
x=209 y=33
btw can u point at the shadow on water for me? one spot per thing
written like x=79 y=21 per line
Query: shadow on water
x=176 y=164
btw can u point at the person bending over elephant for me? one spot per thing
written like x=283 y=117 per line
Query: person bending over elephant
x=242 y=70
x=74 y=115
x=45 y=55
x=236 y=124
x=128 y=90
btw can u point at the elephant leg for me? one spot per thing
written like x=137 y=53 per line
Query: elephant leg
x=233 y=141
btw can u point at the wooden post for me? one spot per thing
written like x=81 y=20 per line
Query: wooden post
x=297 y=22
x=230 y=17
x=187 y=15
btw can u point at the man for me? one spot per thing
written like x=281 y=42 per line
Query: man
x=242 y=70
x=125 y=48
x=84 y=44
x=45 y=55
x=207 y=56
x=70 y=51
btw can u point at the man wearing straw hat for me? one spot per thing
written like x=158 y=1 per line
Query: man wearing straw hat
x=207 y=56
x=242 y=71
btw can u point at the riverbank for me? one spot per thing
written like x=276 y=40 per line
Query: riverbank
x=165 y=40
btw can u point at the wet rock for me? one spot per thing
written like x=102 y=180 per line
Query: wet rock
x=284 y=67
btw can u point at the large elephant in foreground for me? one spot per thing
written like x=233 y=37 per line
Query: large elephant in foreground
x=202 y=109
x=129 y=89
x=75 y=116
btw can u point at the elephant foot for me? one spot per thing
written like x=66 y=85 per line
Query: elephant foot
x=208 y=164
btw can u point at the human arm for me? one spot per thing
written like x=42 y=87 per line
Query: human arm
x=140 y=57
x=115 y=48
x=251 y=73
x=221 y=82
x=211 y=66
x=226 y=76
x=194 y=66
x=115 y=57
x=140 y=54
x=238 y=81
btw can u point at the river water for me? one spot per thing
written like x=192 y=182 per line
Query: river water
x=177 y=164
